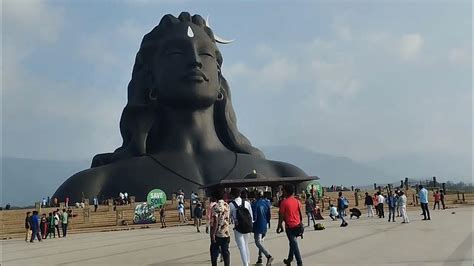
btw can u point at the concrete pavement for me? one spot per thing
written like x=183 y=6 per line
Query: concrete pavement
x=445 y=240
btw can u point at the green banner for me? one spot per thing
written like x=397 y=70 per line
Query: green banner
x=156 y=198
x=317 y=188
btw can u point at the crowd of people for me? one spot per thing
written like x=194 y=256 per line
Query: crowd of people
x=40 y=227
x=254 y=217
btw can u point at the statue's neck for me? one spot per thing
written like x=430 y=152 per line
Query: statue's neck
x=185 y=131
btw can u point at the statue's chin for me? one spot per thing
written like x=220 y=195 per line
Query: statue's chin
x=192 y=103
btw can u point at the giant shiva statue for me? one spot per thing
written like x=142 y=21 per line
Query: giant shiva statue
x=179 y=129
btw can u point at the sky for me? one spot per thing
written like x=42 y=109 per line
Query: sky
x=364 y=79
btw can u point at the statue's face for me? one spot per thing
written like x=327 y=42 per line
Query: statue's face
x=186 y=69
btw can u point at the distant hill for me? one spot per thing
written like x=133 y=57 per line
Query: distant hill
x=333 y=170
x=424 y=166
x=25 y=181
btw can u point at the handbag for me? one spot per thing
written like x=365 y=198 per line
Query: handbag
x=299 y=230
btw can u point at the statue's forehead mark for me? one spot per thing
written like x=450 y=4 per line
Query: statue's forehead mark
x=190 y=32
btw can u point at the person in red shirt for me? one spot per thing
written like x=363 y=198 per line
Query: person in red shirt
x=437 y=198
x=290 y=213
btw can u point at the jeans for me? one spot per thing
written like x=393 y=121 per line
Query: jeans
x=294 y=250
x=342 y=213
x=404 y=214
x=380 y=208
x=426 y=210
x=370 y=211
x=391 y=213
x=222 y=244
x=57 y=227
x=259 y=243
x=64 y=229
x=436 y=203
x=35 y=233
x=311 y=216
x=242 y=241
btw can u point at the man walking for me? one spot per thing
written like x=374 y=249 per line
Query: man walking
x=96 y=203
x=28 y=226
x=220 y=229
x=241 y=213
x=437 y=198
x=423 y=195
x=391 y=202
x=198 y=216
x=403 y=207
x=35 y=227
x=261 y=214
x=309 y=206
x=370 y=205
x=341 y=208
x=64 y=221
x=381 y=201
x=441 y=196
x=290 y=213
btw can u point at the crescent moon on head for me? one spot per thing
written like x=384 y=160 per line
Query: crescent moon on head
x=217 y=38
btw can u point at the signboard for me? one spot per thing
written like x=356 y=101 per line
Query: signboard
x=317 y=187
x=156 y=198
x=144 y=214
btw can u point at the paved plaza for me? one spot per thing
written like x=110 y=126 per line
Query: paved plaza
x=445 y=240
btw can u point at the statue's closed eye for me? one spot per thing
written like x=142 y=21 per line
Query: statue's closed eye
x=207 y=54
x=174 y=52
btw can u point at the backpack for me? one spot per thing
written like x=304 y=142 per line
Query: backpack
x=319 y=226
x=244 y=223
x=345 y=203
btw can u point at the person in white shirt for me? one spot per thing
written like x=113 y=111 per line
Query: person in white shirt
x=381 y=201
x=333 y=213
x=242 y=240
x=403 y=207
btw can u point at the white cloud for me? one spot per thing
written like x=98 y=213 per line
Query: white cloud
x=460 y=56
x=36 y=18
x=273 y=76
x=406 y=47
x=343 y=32
x=410 y=45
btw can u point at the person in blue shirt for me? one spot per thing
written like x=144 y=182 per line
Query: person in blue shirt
x=262 y=216
x=392 y=204
x=35 y=226
x=423 y=195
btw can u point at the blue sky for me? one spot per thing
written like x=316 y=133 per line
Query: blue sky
x=363 y=79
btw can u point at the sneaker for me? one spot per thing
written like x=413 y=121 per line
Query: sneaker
x=287 y=262
x=259 y=261
x=269 y=261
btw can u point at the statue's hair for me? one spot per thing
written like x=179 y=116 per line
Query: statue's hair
x=142 y=81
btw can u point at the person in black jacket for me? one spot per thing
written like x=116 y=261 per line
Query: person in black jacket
x=369 y=202
x=28 y=226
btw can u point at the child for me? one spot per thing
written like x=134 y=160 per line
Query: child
x=163 y=216
x=333 y=213
x=181 y=212
x=198 y=216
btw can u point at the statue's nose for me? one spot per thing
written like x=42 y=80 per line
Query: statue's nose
x=195 y=59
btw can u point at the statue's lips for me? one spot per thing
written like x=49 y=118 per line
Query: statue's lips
x=195 y=76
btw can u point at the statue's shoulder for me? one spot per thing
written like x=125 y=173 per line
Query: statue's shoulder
x=270 y=167
x=86 y=183
x=287 y=169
